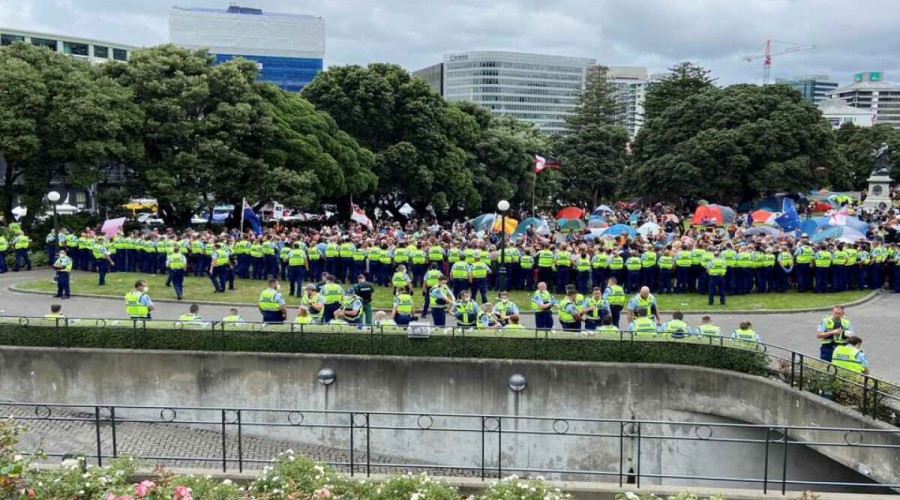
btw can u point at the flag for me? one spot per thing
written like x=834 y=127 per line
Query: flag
x=250 y=216
x=111 y=226
x=542 y=162
x=837 y=218
x=359 y=216
x=789 y=220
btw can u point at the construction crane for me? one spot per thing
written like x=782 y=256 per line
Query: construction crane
x=767 y=54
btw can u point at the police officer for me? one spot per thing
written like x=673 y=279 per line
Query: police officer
x=4 y=247
x=137 y=303
x=103 y=259
x=833 y=331
x=614 y=295
x=466 y=311
x=176 y=263
x=745 y=333
x=217 y=268
x=314 y=302
x=643 y=300
x=352 y=307
x=676 y=328
x=442 y=300
x=431 y=279
x=332 y=294
x=365 y=290
x=850 y=356
x=542 y=304
x=717 y=270
x=272 y=305
x=707 y=328
x=641 y=324
x=402 y=313
x=569 y=316
x=298 y=265
x=192 y=316
x=63 y=266
x=595 y=309
x=21 y=243
x=504 y=308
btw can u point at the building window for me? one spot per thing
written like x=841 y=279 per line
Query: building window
x=120 y=54
x=101 y=52
x=11 y=39
x=75 y=49
x=44 y=42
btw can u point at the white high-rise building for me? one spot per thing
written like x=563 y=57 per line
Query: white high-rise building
x=869 y=91
x=631 y=84
x=541 y=89
x=94 y=51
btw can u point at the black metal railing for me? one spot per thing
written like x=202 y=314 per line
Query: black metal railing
x=484 y=446
x=874 y=397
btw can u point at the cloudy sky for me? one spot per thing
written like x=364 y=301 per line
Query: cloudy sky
x=851 y=36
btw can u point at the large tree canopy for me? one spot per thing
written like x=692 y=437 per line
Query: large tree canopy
x=683 y=80
x=59 y=116
x=735 y=143
x=856 y=145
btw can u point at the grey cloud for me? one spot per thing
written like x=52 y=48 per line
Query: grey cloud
x=851 y=37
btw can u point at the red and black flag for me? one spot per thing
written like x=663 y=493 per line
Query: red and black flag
x=541 y=162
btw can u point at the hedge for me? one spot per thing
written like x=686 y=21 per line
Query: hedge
x=730 y=355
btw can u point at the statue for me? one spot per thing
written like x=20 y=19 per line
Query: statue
x=882 y=160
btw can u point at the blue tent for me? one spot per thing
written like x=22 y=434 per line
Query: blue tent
x=620 y=229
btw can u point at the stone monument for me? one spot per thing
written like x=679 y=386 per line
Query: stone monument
x=880 y=180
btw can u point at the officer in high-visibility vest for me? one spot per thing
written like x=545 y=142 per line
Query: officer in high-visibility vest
x=569 y=315
x=192 y=316
x=599 y=267
x=4 y=247
x=460 y=277
x=351 y=306
x=442 y=299
x=63 y=266
x=563 y=263
x=21 y=243
x=850 y=356
x=486 y=318
x=137 y=303
x=607 y=326
x=504 y=308
x=595 y=309
x=176 y=263
x=401 y=280
x=52 y=242
x=431 y=279
x=632 y=272
x=545 y=265
x=55 y=313
x=785 y=267
x=832 y=332
x=402 y=313
x=746 y=333
x=232 y=317
x=803 y=258
x=332 y=294
x=314 y=302
x=707 y=328
x=717 y=270
x=272 y=305
x=419 y=259
x=298 y=266
x=479 y=272
x=644 y=300
x=682 y=269
x=649 y=260
x=466 y=311
x=218 y=266
x=822 y=262
x=676 y=328
x=641 y=324
x=614 y=295
x=582 y=272
x=542 y=303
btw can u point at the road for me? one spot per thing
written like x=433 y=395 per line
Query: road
x=876 y=321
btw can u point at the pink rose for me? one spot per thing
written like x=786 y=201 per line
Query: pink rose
x=182 y=493
x=322 y=494
x=145 y=487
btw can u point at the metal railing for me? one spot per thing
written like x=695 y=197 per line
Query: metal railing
x=874 y=397
x=626 y=451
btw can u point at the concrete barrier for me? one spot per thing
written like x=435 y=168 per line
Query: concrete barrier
x=561 y=391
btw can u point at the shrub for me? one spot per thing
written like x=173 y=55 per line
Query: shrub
x=408 y=487
x=513 y=488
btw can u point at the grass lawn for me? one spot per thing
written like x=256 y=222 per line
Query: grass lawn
x=247 y=291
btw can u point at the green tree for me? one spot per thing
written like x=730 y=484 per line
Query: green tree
x=59 y=117
x=684 y=79
x=412 y=131
x=734 y=144
x=856 y=145
x=205 y=130
x=593 y=154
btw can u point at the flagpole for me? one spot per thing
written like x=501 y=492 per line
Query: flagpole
x=533 y=186
x=243 y=204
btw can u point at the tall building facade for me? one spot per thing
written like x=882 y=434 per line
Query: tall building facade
x=288 y=48
x=870 y=91
x=434 y=75
x=541 y=89
x=813 y=88
x=631 y=84
x=94 y=51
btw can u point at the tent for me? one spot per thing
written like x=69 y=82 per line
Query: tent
x=483 y=221
x=713 y=213
x=597 y=222
x=649 y=229
x=619 y=230
x=842 y=233
x=570 y=213
x=529 y=222
x=571 y=225
x=761 y=216
x=601 y=210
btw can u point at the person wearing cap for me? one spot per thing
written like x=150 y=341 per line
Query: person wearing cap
x=442 y=299
x=351 y=307
x=314 y=302
x=803 y=258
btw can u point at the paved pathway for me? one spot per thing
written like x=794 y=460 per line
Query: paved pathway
x=877 y=321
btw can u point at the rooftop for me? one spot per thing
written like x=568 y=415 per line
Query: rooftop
x=245 y=11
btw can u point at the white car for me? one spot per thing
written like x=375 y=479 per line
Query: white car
x=150 y=219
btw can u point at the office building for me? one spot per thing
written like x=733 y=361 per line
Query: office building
x=288 y=48
x=94 y=51
x=870 y=91
x=813 y=88
x=837 y=113
x=631 y=84
x=540 y=89
x=434 y=75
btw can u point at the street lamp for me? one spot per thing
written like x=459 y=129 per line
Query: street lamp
x=54 y=197
x=502 y=206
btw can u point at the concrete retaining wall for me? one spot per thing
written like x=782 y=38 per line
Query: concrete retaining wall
x=459 y=386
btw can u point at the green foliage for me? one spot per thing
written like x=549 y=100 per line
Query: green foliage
x=856 y=145
x=513 y=488
x=593 y=155
x=684 y=80
x=393 y=343
x=681 y=496
x=734 y=144
x=59 y=116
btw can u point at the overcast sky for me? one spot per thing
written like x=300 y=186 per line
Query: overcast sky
x=851 y=36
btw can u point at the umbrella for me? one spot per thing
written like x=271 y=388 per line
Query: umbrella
x=529 y=222
x=842 y=233
x=770 y=231
x=572 y=225
x=620 y=229
x=595 y=233
x=857 y=224
x=509 y=225
x=482 y=220
x=648 y=229
x=761 y=216
x=570 y=213
x=601 y=210
x=597 y=222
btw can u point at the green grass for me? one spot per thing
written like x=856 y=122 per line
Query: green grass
x=247 y=291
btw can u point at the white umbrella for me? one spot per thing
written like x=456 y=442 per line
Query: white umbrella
x=649 y=229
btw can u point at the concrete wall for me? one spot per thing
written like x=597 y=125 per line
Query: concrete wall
x=660 y=393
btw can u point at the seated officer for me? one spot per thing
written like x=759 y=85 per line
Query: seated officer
x=676 y=328
x=55 y=312
x=642 y=325
x=192 y=316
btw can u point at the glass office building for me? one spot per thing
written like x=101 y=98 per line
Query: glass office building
x=93 y=51
x=541 y=89
x=814 y=88
x=288 y=48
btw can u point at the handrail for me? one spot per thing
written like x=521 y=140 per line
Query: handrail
x=876 y=397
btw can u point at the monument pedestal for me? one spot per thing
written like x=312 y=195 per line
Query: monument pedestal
x=879 y=191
